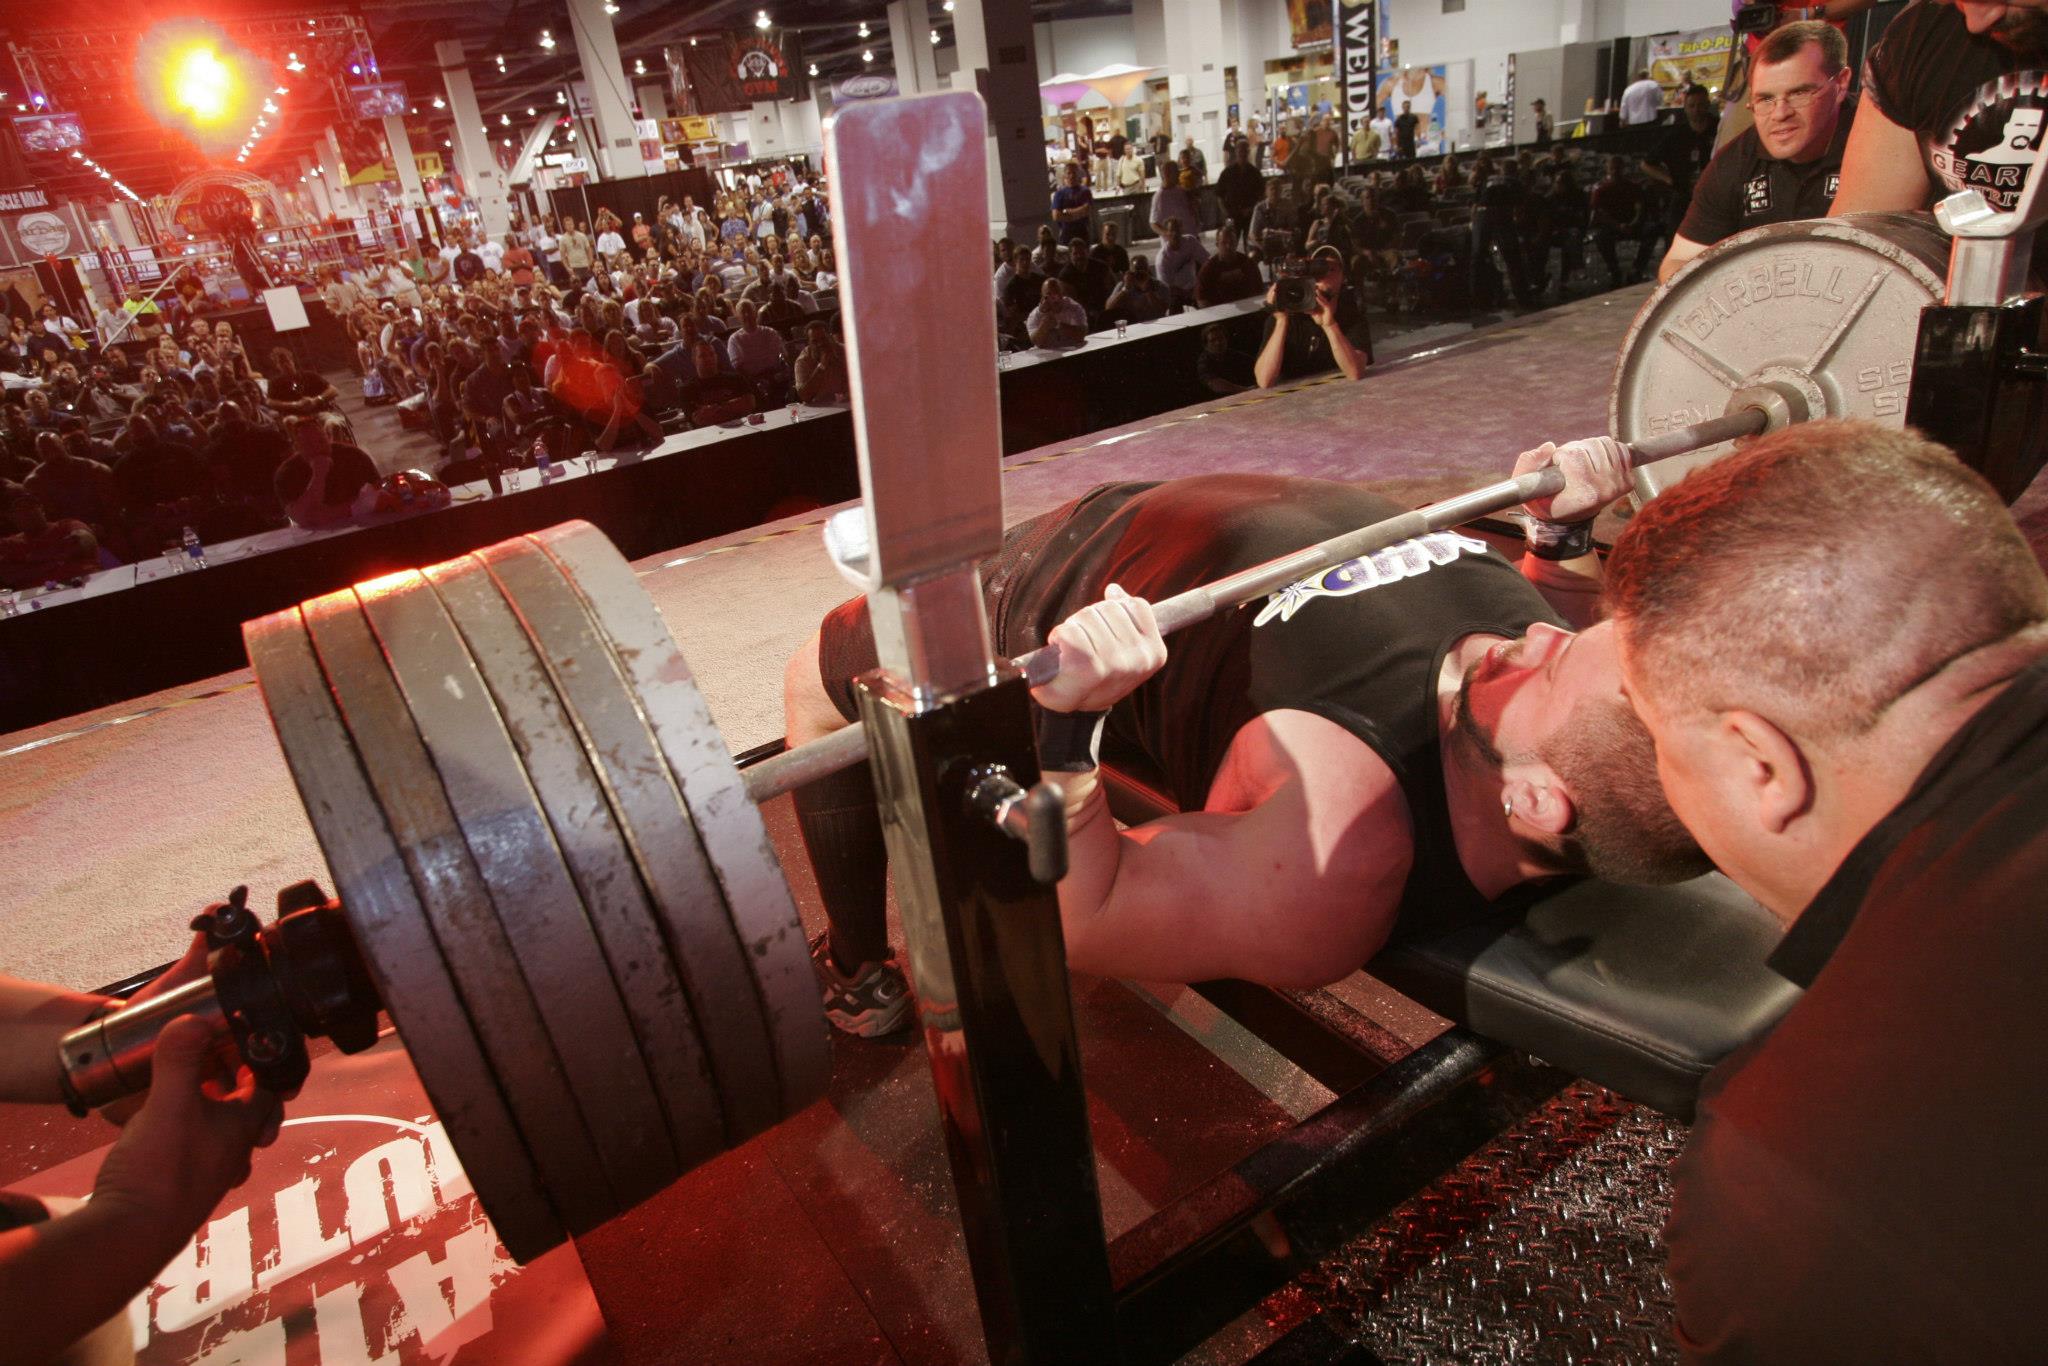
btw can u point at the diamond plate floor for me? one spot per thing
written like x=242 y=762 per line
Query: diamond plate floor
x=1543 y=1247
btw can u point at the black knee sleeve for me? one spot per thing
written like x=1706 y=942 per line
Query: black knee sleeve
x=842 y=830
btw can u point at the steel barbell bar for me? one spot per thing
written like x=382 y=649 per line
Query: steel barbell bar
x=843 y=749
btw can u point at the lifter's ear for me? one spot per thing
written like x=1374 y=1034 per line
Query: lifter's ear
x=1541 y=802
x=1766 y=768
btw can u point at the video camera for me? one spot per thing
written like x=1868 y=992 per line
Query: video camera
x=1758 y=17
x=1294 y=275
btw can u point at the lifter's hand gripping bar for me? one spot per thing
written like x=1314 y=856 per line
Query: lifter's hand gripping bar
x=844 y=748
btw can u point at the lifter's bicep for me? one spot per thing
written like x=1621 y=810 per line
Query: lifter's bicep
x=1293 y=882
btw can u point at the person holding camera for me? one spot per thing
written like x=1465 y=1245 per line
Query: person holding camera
x=1314 y=323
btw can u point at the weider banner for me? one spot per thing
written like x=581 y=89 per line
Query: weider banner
x=1356 y=55
x=744 y=69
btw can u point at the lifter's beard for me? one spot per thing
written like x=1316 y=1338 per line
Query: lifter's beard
x=1624 y=829
x=2025 y=33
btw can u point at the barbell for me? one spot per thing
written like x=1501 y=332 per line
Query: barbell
x=557 y=882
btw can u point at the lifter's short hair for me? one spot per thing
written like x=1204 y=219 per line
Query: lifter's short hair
x=1785 y=42
x=1816 y=576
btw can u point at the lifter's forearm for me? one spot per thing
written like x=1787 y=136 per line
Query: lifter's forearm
x=1094 y=849
x=33 y=1017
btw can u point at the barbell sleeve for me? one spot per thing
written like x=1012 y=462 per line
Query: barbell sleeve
x=844 y=748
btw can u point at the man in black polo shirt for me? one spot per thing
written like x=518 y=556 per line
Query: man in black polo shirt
x=1958 y=99
x=1789 y=164
x=1839 y=640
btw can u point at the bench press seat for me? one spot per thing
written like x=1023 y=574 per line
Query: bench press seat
x=1638 y=989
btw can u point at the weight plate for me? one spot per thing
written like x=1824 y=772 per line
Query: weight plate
x=734 y=837
x=391 y=931
x=596 y=853
x=458 y=907
x=685 y=891
x=514 y=851
x=1829 y=306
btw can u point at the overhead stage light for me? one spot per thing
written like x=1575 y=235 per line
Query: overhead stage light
x=868 y=55
x=863 y=28
x=814 y=68
x=935 y=37
x=547 y=40
x=201 y=84
x=761 y=19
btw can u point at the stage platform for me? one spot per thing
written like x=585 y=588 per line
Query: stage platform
x=833 y=1238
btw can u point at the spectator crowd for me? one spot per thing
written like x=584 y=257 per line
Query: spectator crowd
x=561 y=337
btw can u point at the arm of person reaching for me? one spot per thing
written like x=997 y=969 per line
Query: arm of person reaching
x=1881 y=167
x=1289 y=880
x=186 y=1148
x=35 y=1015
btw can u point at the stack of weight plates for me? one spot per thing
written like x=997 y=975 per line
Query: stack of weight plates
x=552 y=869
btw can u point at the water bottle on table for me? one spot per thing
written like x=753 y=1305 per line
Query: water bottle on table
x=195 y=553
x=542 y=463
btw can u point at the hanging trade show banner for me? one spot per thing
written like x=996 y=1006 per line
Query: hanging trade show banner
x=428 y=165
x=1698 y=57
x=1355 y=55
x=1308 y=23
x=23 y=198
x=26 y=238
x=729 y=75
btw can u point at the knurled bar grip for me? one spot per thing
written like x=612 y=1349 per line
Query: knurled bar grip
x=844 y=748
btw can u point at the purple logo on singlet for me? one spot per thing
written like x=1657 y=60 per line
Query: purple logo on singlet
x=1402 y=560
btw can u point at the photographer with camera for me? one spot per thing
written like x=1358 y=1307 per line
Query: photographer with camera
x=1314 y=322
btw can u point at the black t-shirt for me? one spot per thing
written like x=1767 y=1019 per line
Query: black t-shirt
x=1222 y=279
x=1240 y=188
x=1360 y=645
x=1864 y=1183
x=1404 y=133
x=1089 y=283
x=1684 y=151
x=469 y=267
x=1308 y=350
x=1745 y=188
x=1976 y=130
x=349 y=471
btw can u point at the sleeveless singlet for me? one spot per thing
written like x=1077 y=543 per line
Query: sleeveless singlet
x=1360 y=645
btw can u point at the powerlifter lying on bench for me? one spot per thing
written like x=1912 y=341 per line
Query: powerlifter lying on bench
x=1405 y=759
